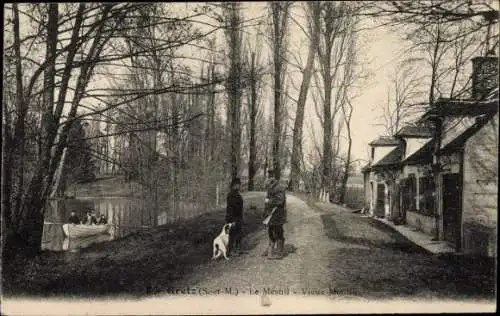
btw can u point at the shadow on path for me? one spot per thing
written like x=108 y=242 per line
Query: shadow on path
x=343 y=233
x=374 y=261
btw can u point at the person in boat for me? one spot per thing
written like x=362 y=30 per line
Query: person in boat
x=73 y=218
x=91 y=220
x=102 y=220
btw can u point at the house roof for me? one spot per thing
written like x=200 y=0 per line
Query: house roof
x=461 y=107
x=415 y=131
x=459 y=141
x=385 y=141
x=392 y=158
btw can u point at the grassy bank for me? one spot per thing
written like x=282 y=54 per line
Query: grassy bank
x=377 y=262
x=140 y=264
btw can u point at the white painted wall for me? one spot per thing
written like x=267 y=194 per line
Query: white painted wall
x=409 y=169
x=387 y=202
x=380 y=152
x=414 y=144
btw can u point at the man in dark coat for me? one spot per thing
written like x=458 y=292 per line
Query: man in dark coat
x=275 y=199
x=102 y=220
x=234 y=214
x=73 y=219
x=90 y=218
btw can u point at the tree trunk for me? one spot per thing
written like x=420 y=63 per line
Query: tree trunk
x=279 y=11
x=25 y=235
x=30 y=226
x=327 y=132
x=304 y=87
x=234 y=85
x=253 y=116
x=59 y=175
x=6 y=183
x=345 y=177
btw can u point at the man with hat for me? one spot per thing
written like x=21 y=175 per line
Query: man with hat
x=234 y=214
x=275 y=206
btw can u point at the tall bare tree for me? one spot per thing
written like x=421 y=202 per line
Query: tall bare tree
x=26 y=229
x=447 y=33
x=255 y=74
x=79 y=41
x=350 y=76
x=279 y=18
x=480 y=15
x=403 y=96
x=336 y=28
x=313 y=10
x=233 y=19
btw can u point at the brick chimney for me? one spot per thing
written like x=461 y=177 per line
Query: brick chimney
x=484 y=76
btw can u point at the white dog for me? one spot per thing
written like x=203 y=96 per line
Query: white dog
x=221 y=242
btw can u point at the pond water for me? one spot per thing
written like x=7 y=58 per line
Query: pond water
x=126 y=215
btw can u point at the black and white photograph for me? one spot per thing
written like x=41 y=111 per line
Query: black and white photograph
x=250 y=157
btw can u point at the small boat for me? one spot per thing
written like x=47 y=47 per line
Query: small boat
x=83 y=230
x=78 y=243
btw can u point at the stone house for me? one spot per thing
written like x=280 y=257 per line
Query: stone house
x=465 y=159
x=416 y=183
x=401 y=176
x=440 y=175
x=376 y=185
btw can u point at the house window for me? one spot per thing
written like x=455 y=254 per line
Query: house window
x=373 y=153
x=426 y=198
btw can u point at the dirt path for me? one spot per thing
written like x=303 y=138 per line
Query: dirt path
x=304 y=267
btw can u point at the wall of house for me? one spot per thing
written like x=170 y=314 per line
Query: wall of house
x=387 y=179
x=480 y=190
x=375 y=179
x=414 y=144
x=426 y=224
x=407 y=169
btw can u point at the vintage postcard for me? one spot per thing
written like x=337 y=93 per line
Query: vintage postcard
x=276 y=157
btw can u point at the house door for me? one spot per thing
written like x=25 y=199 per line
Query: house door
x=452 y=195
x=380 y=206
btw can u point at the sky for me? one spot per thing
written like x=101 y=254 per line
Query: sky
x=380 y=52
x=381 y=49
